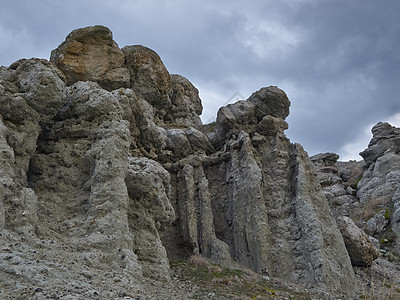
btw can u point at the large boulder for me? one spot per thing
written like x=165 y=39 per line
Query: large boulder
x=361 y=250
x=149 y=77
x=270 y=101
x=90 y=53
x=264 y=111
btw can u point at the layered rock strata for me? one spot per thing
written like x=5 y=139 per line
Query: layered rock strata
x=106 y=168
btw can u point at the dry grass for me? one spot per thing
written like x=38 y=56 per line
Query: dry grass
x=379 y=286
x=368 y=211
x=218 y=282
x=200 y=261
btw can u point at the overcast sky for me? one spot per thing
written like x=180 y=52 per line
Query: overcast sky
x=337 y=60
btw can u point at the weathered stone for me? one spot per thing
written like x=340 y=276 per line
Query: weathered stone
x=74 y=191
x=350 y=172
x=199 y=141
x=262 y=213
x=361 y=250
x=41 y=85
x=186 y=104
x=385 y=136
x=195 y=210
x=225 y=121
x=377 y=223
x=90 y=53
x=178 y=142
x=377 y=181
x=270 y=101
x=263 y=112
x=324 y=160
x=270 y=125
x=148 y=185
x=149 y=77
x=340 y=200
x=378 y=188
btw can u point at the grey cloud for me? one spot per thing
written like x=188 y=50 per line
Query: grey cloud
x=336 y=59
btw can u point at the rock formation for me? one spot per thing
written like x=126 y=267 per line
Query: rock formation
x=340 y=191
x=340 y=195
x=379 y=187
x=107 y=173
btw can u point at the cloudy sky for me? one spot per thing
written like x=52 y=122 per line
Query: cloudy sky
x=338 y=60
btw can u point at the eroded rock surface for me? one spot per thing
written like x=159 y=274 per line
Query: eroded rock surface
x=107 y=173
x=90 y=53
x=337 y=184
x=361 y=250
x=379 y=188
x=257 y=201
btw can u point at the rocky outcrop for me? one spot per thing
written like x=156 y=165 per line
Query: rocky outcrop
x=379 y=188
x=350 y=172
x=107 y=173
x=366 y=191
x=256 y=201
x=337 y=184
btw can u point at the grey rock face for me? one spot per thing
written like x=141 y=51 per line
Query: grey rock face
x=186 y=104
x=377 y=223
x=149 y=207
x=78 y=174
x=149 y=77
x=337 y=187
x=266 y=210
x=339 y=193
x=379 y=187
x=104 y=180
x=270 y=103
x=350 y=172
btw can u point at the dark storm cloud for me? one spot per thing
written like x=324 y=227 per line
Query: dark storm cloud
x=337 y=60
x=353 y=62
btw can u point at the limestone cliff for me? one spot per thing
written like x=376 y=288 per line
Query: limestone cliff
x=107 y=173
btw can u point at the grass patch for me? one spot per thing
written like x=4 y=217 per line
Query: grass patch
x=218 y=282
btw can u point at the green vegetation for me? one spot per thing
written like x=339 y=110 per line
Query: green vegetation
x=357 y=182
x=388 y=212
